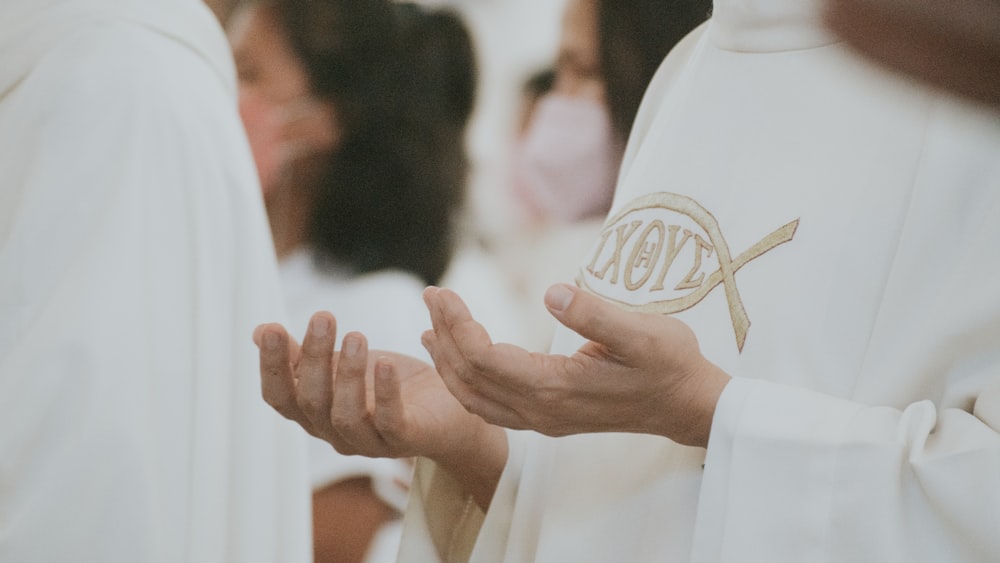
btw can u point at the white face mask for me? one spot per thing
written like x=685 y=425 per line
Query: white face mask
x=565 y=166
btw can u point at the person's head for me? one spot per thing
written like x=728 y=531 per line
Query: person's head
x=532 y=90
x=578 y=63
x=441 y=60
x=610 y=49
x=633 y=37
x=390 y=88
x=569 y=152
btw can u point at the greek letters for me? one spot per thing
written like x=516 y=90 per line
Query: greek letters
x=649 y=236
x=646 y=253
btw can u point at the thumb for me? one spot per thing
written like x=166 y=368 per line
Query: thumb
x=592 y=317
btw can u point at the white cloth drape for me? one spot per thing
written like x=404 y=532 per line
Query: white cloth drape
x=135 y=262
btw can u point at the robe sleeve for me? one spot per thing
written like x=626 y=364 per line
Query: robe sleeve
x=908 y=467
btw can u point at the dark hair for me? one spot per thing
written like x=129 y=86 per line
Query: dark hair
x=539 y=83
x=402 y=83
x=634 y=36
x=444 y=59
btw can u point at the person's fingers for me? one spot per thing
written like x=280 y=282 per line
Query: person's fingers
x=315 y=369
x=503 y=364
x=451 y=367
x=439 y=344
x=389 y=415
x=277 y=381
x=498 y=413
x=453 y=374
x=349 y=413
x=258 y=333
x=430 y=342
x=293 y=346
x=495 y=382
x=593 y=318
x=501 y=372
x=454 y=315
x=294 y=353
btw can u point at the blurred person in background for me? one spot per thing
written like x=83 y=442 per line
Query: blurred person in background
x=134 y=259
x=356 y=113
x=567 y=156
x=537 y=85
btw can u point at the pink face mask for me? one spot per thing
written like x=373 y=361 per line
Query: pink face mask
x=262 y=121
x=565 y=167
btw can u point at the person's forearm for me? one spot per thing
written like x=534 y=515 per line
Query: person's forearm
x=478 y=469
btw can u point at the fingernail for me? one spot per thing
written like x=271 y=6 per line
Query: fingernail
x=320 y=326
x=558 y=297
x=270 y=340
x=351 y=346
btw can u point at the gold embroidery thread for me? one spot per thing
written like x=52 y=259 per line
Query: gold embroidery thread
x=659 y=238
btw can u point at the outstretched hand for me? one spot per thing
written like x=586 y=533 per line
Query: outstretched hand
x=376 y=404
x=638 y=372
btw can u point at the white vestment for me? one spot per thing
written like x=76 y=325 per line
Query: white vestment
x=830 y=232
x=135 y=262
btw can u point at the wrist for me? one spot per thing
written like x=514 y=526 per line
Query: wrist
x=707 y=385
x=477 y=461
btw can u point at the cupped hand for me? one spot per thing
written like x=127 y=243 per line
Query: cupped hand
x=376 y=403
x=638 y=372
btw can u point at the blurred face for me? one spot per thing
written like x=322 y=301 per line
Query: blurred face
x=283 y=121
x=566 y=160
x=578 y=71
x=265 y=62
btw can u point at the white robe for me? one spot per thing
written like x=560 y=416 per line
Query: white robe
x=135 y=262
x=830 y=232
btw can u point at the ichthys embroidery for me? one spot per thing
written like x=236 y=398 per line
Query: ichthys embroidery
x=668 y=253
